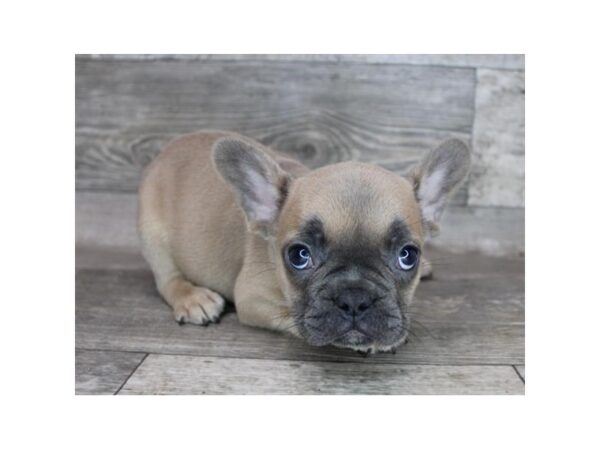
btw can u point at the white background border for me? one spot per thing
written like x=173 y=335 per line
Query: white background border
x=39 y=40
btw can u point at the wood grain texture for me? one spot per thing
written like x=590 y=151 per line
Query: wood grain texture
x=109 y=258
x=107 y=219
x=100 y=372
x=493 y=231
x=507 y=61
x=475 y=318
x=320 y=113
x=167 y=374
x=497 y=175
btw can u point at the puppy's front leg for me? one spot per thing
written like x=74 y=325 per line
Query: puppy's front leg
x=193 y=304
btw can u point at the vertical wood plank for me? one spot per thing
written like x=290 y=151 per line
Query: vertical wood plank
x=498 y=171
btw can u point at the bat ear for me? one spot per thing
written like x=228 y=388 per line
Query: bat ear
x=437 y=176
x=259 y=183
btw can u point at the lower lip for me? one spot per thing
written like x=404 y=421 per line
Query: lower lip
x=354 y=336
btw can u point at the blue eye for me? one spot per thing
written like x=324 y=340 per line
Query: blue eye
x=299 y=257
x=408 y=256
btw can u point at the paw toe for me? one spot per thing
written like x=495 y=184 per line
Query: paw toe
x=201 y=308
x=197 y=315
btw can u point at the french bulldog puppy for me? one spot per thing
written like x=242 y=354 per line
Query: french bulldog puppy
x=331 y=255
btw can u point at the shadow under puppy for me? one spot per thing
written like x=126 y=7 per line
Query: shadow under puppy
x=331 y=255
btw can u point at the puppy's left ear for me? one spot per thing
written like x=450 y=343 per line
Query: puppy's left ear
x=259 y=183
x=437 y=176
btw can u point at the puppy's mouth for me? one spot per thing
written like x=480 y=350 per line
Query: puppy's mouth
x=354 y=337
x=378 y=330
x=360 y=341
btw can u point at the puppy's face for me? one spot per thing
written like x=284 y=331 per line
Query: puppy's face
x=346 y=238
x=349 y=240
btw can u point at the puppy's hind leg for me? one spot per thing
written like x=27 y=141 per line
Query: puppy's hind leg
x=190 y=303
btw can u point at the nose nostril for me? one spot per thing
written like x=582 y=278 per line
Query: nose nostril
x=352 y=306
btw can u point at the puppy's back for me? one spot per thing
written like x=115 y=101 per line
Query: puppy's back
x=187 y=210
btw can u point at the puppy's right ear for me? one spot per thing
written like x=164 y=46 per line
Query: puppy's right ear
x=257 y=180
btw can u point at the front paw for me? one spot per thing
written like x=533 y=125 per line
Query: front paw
x=201 y=307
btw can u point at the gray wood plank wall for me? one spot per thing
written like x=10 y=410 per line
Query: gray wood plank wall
x=385 y=109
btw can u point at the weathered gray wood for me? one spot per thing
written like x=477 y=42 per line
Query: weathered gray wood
x=470 y=319
x=109 y=258
x=521 y=371
x=493 y=231
x=454 y=275
x=467 y=287
x=126 y=110
x=164 y=374
x=104 y=219
x=100 y=372
x=513 y=62
x=498 y=171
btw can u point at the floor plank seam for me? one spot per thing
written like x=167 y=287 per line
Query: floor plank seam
x=132 y=372
x=274 y=62
x=391 y=363
x=111 y=350
x=518 y=374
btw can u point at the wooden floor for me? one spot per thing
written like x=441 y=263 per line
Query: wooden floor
x=469 y=339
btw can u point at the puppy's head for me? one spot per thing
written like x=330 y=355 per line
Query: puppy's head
x=347 y=237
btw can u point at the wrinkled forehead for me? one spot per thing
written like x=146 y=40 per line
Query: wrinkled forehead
x=314 y=233
x=361 y=204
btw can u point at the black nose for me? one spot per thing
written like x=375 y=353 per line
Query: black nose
x=354 y=302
